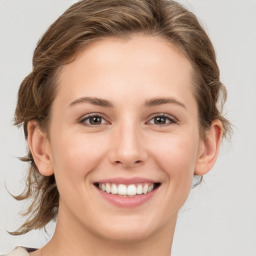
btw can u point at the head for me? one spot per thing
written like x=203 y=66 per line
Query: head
x=87 y=42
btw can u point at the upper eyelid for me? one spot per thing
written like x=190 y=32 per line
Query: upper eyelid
x=91 y=115
x=171 y=117
x=164 y=115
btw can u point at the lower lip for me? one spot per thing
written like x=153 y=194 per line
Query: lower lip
x=122 y=201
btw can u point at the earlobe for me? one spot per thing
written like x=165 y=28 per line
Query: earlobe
x=40 y=148
x=209 y=148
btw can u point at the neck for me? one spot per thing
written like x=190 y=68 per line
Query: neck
x=71 y=238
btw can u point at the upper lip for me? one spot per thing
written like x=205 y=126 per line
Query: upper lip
x=127 y=181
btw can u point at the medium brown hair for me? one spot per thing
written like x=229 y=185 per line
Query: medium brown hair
x=90 y=20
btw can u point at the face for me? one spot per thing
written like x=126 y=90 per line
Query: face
x=124 y=137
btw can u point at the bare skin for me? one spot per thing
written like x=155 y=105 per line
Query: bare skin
x=140 y=92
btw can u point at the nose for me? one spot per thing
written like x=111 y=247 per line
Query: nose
x=127 y=147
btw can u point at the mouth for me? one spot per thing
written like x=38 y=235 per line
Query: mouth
x=127 y=190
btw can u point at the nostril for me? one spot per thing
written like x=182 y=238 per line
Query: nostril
x=129 y=163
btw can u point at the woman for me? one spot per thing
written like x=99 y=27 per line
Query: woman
x=121 y=110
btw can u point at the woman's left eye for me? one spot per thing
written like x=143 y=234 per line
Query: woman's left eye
x=93 y=120
x=162 y=120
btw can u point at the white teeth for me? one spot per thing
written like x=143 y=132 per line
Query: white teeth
x=150 y=188
x=126 y=190
x=114 y=189
x=122 y=191
x=108 y=188
x=145 y=189
x=131 y=190
x=139 y=189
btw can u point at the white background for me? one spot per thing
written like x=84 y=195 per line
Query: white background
x=219 y=218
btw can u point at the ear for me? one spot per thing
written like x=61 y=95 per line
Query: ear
x=40 y=148
x=209 y=148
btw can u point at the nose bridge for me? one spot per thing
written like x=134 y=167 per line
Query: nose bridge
x=128 y=149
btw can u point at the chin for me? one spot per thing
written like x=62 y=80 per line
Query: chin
x=127 y=231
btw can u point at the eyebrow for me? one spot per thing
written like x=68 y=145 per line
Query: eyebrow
x=92 y=100
x=105 y=103
x=160 y=101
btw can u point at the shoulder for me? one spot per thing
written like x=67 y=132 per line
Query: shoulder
x=19 y=251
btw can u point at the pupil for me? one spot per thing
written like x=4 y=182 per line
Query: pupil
x=160 y=119
x=95 y=120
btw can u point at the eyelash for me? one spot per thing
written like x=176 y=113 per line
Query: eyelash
x=89 y=116
x=170 y=119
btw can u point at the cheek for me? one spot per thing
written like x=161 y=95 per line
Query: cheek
x=177 y=154
x=177 y=158
x=74 y=157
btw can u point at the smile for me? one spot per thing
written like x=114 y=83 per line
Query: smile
x=127 y=190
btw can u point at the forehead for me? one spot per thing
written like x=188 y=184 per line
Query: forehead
x=148 y=65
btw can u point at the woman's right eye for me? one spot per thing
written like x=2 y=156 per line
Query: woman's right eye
x=93 y=120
